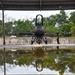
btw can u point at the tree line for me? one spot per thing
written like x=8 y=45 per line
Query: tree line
x=61 y=23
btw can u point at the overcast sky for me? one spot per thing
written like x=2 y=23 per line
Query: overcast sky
x=30 y=14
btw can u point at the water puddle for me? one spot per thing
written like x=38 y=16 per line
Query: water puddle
x=37 y=61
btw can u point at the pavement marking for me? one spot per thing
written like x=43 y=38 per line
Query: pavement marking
x=34 y=45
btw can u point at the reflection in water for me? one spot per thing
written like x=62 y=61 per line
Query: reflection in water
x=39 y=65
x=39 y=59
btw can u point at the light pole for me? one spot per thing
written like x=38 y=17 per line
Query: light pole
x=4 y=41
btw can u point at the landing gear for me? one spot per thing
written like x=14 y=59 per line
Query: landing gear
x=32 y=42
x=39 y=40
x=45 y=41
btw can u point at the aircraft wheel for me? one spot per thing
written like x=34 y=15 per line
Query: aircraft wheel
x=31 y=42
x=45 y=41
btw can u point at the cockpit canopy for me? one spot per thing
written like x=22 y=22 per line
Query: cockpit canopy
x=39 y=20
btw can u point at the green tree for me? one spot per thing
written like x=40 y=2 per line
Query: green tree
x=65 y=28
x=62 y=18
x=73 y=31
x=23 y=26
x=8 y=28
x=52 y=20
x=0 y=27
x=49 y=23
x=72 y=17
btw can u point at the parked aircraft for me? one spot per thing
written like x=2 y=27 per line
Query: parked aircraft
x=38 y=34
